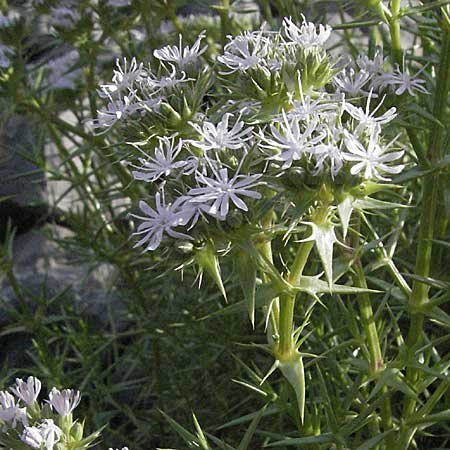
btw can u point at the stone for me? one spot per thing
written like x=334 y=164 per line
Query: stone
x=22 y=182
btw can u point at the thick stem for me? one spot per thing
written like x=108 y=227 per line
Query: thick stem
x=394 y=26
x=224 y=20
x=376 y=363
x=287 y=301
x=419 y=297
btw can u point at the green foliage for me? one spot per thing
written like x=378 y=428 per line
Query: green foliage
x=371 y=361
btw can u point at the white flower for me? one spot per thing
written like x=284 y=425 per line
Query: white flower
x=371 y=66
x=163 y=164
x=27 y=392
x=32 y=436
x=292 y=140
x=244 y=52
x=307 y=108
x=65 y=401
x=10 y=412
x=5 y=53
x=307 y=36
x=117 y=109
x=352 y=83
x=330 y=151
x=218 y=191
x=220 y=137
x=50 y=432
x=403 y=81
x=366 y=119
x=371 y=159
x=166 y=82
x=179 y=55
x=124 y=77
x=162 y=220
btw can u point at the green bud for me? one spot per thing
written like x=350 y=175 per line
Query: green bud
x=173 y=117
x=326 y=195
x=77 y=432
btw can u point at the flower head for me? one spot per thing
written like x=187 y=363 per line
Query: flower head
x=27 y=391
x=292 y=140
x=10 y=411
x=181 y=56
x=217 y=137
x=124 y=77
x=307 y=36
x=217 y=192
x=162 y=164
x=162 y=220
x=244 y=52
x=65 y=401
x=371 y=159
x=32 y=436
x=403 y=81
x=366 y=119
x=352 y=82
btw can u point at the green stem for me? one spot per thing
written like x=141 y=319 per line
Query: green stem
x=224 y=12
x=287 y=301
x=394 y=26
x=419 y=297
x=376 y=363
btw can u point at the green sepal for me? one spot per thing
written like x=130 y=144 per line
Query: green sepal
x=294 y=372
x=324 y=238
x=345 y=209
x=206 y=258
x=314 y=286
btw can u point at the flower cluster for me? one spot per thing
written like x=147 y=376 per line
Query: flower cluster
x=48 y=425
x=287 y=113
x=370 y=75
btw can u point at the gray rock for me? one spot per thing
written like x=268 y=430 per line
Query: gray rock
x=22 y=183
x=40 y=263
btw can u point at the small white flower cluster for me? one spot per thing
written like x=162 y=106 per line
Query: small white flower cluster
x=369 y=75
x=136 y=89
x=285 y=110
x=39 y=426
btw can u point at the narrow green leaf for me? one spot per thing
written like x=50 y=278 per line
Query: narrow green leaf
x=268 y=412
x=443 y=416
x=246 y=440
x=371 y=443
x=326 y=438
x=200 y=436
x=187 y=436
